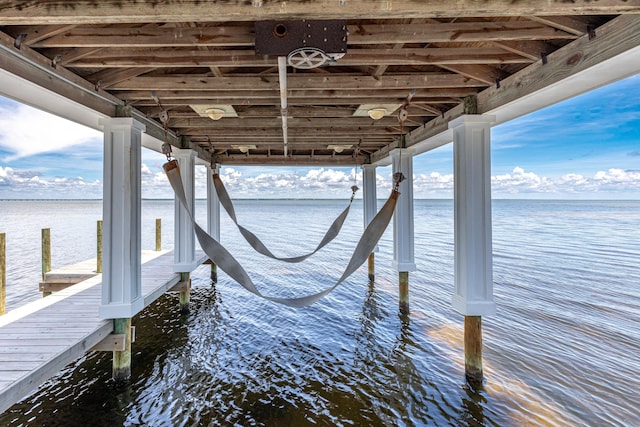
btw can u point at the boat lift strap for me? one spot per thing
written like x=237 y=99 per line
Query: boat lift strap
x=260 y=247
x=227 y=263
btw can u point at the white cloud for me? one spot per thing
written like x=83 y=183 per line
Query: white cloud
x=27 y=184
x=315 y=183
x=521 y=183
x=26 y=131
x=330 y=183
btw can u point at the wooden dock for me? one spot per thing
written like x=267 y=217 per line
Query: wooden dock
x=42 y=337
x=62 y=278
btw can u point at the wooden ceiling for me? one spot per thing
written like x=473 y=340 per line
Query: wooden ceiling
x=148 y=57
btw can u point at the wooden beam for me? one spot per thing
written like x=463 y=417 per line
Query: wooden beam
x=326 y=101
x=382 y=68
x=298 y=82
x=69 y=55
x=224 y=140
x=112 y=342
x=567 y=24
x=108 y=77
x=257 y=133
x=291 y=160
x=23 y=12
x=37 y=33
x=532 y=49
x=363 y=34
x=484 y=73
x=305 y=96
x=293 y=122
x=177 y=58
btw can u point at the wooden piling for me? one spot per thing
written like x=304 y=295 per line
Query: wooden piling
x=121 y=370
x=99 y=247
x=3 y=274
x=403 y=284
x=158 y=234
x=473 y=350
x=214 y=272
x=185 y=294
x=46 y=251
x=371 y=265
x=46 y=255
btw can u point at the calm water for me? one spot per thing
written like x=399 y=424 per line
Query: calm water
x=562 y=349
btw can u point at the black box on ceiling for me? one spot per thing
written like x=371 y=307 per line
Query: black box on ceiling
x=279 y=38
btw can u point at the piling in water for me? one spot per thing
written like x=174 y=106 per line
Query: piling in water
x=371 y=265
x=99 y=247
x=473 y=350
x=214 y=272
x=46 y=255
x=158 y=234
x=3 y=274
x=403 y=283
x=185 y=295
x=122 y=359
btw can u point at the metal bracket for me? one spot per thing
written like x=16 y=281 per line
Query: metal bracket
x=19 y=40
x=279 y=38
x=56 y=59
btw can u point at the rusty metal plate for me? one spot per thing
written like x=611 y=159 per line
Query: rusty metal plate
x=281 y=37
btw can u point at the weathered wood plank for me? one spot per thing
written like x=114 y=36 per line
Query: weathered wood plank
x=368 y=34
x=301 y=96
x=26 y=356
x=145 y=58
x=298 y=81
x=20 y=367
x=22 y=12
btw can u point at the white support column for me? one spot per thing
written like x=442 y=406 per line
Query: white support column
x=184 y=252
x=472 y=215
x=369 y=194
x=213 y=204
x=121 y=270
x=403 y=252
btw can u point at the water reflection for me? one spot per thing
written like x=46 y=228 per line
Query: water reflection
x=473 y=406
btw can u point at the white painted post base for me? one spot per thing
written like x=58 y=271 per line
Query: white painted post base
x=472 y=215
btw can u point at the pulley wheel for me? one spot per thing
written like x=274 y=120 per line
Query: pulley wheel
x=306 y=58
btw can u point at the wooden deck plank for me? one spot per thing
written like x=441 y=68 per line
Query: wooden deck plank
x=42 y=337
x=28 y=357
x=44 y=349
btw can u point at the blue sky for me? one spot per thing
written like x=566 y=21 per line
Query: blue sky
x=587 y=147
